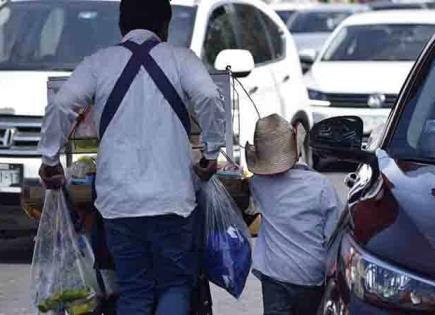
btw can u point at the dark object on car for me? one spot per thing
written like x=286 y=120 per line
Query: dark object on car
x=381 y=256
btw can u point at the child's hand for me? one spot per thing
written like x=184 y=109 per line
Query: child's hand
x=53 y=177
x=205 y=169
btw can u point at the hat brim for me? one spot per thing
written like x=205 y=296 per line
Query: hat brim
x=262 y=167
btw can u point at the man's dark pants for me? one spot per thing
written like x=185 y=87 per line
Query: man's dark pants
x=155 y=263
x=281 y=298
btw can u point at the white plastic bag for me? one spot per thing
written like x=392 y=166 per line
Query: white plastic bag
x=63 y=277
x=227 y=253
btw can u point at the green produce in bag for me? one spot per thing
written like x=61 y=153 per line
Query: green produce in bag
x=63 y=277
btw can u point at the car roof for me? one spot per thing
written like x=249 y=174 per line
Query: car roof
x=176 y=2
x=284 y=6
x=336 y=7
x=173 y=2
x=189 y=3
x=385 y=5
x=392 y=17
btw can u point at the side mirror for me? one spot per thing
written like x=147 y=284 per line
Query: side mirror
x=340 y=139
x=307 y=58
x=240 y=61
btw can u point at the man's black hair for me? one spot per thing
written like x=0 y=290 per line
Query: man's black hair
x=152 y=15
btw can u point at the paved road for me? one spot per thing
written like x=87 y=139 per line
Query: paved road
x=15 y=270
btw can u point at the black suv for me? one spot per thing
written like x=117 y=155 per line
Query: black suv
x=382 y=255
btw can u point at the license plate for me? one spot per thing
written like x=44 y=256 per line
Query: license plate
x=11 y=175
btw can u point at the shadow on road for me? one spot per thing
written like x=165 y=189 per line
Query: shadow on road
x=16 y=251
x=341 y=167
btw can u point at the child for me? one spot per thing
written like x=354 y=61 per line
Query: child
x=300 y=209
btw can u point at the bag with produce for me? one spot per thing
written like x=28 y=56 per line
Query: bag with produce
x=227 y=252
x=63 y=277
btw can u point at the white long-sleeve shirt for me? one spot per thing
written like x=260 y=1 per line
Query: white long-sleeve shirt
x=144 y=165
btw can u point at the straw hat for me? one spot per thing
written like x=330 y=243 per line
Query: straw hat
x=275 y=149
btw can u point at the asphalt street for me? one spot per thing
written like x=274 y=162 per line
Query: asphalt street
x=15 y=256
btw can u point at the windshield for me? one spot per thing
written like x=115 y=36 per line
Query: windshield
x=57 y=35
x=395 y=42
x=414 y=138
x=316 y=21
x=285 y=14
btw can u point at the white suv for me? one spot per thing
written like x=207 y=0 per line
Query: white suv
x=365 y=63
x=43 y=38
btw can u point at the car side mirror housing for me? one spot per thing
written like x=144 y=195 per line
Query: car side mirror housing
x=341 y=139
x=307 y=58
x=240 y=61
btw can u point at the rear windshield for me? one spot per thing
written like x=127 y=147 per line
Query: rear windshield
x=316 y=21
x=395 y=42
x=58 y=35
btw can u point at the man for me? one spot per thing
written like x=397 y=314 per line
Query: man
x=144 y=185
x=300 y=209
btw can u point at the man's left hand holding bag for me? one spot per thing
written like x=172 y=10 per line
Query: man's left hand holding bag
x=53 y=177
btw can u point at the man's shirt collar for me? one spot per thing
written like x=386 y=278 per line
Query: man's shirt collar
x=140 y=35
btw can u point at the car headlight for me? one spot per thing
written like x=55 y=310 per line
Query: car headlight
x=380 y=283
x=318 y=98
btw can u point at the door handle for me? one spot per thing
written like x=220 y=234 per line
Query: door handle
x=253 y=90
x=286 y=78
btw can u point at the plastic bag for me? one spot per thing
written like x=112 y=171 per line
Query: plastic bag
x=227 y=253
x=63 y=277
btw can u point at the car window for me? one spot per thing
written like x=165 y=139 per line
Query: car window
x=285 y=14
x=50 y=35
x=414 y=137
x=252 y=34
x=220 y=34
x=276 y=36
x=316 y=21
x=386 y=42
x=181 y=27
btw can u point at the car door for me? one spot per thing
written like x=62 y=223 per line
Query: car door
x=286 y=71
x=220 y=35
x=252 y=36
x=234 y=26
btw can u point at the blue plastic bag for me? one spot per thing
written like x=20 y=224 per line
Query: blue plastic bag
x=227 y=254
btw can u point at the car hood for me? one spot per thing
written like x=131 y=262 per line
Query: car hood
x=24 y=92
x=397 y=223
x=310 y=40
x=358 y=77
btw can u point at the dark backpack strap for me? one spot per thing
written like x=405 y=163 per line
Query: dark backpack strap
x=123 y=83
x=141 y=57
x=164 y=85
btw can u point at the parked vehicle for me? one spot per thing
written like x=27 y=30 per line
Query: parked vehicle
x=365 y=63
x=44 y=38
x=402 y=5
x=381 y=256
x=286 y=10
x=311 y=27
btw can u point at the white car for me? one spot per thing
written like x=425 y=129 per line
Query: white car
x=365 y=63
x=45 y=38
x=312 y=26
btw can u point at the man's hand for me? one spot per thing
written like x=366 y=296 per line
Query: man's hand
x=205 y=169
x=53 y=177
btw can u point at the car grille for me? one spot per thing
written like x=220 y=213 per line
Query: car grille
x=19 y=135
x=358 y=100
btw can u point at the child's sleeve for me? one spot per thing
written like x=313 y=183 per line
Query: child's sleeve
x=254 y=203
x=332 y=207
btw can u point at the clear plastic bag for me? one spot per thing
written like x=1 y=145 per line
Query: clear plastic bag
x=227 y=253
x=63 y=277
